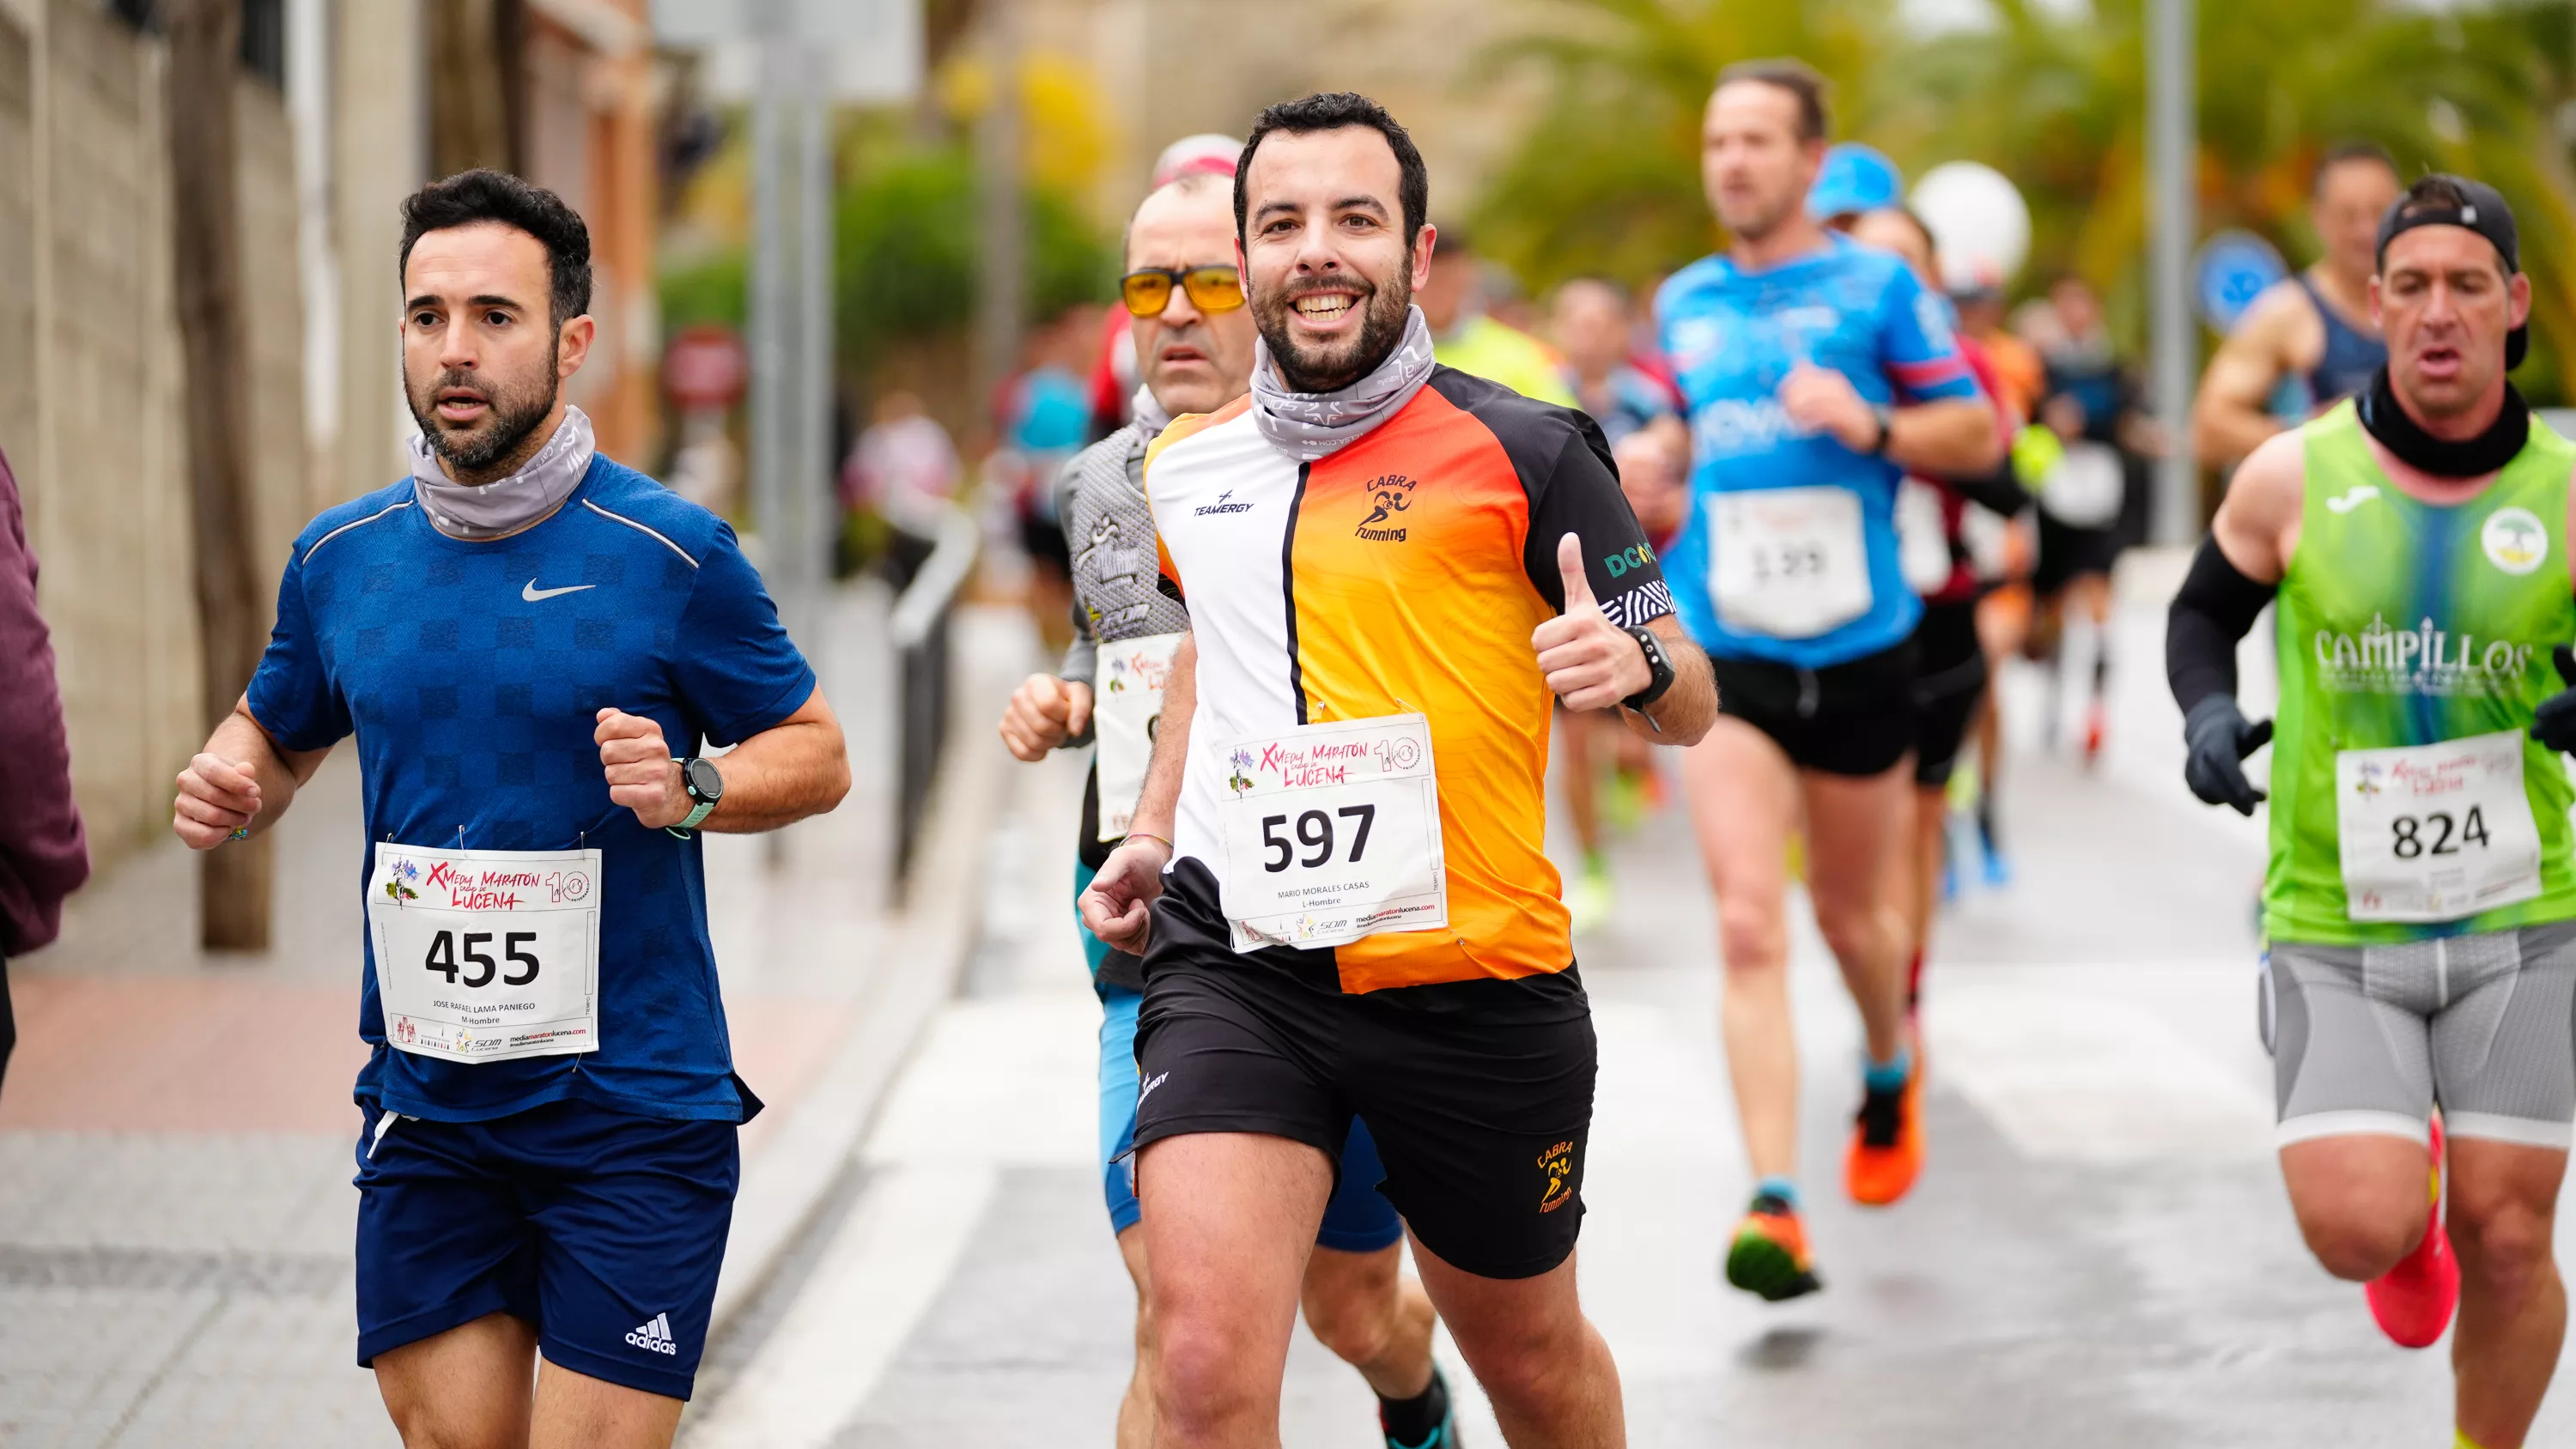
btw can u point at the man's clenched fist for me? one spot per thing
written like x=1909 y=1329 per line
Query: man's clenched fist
x=216 y=797
x=1043 y=713
x=642 y=776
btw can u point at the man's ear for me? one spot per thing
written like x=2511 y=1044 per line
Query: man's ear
x=572 y=345
x=1424 y=242
x=2517 y=295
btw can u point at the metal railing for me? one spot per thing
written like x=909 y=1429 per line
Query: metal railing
x=920 y=633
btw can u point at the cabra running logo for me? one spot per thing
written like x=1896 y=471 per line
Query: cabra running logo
x=1391 y=495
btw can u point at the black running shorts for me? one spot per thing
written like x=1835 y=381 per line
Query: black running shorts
x=1950 y=678
x=1479 y=1093
x=1855 y=718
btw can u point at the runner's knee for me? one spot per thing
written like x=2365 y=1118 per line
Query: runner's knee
x=1754 y=936
x=1525 y=1366
x=2504 y=1246
x=1358 y=1327
x=2357 y=1246
x=1207 y=1377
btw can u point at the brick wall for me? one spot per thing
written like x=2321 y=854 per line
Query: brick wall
x=93 y=424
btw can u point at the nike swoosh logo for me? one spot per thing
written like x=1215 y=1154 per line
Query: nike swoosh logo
x=532 y=593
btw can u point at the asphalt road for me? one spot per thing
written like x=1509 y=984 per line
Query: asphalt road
x=2099 y=1251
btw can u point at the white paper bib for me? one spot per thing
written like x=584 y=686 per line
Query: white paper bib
x=486 y=955
x=1788 y=563
x=1332 y=833
x=2436 y=832
x=1922 y=541
x=1126 y=709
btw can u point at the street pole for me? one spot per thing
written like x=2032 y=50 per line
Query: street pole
x=1003 y=223
x=2173 y=154
x=772 y=320
x=808 y=517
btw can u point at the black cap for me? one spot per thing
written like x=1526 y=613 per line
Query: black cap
x=2480 y=208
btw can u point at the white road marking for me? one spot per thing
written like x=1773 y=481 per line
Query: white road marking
x=893 y=1253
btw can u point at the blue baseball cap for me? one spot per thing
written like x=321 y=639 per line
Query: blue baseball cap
x=1854 y=178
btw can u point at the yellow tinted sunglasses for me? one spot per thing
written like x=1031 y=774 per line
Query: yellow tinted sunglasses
x=1148 y=290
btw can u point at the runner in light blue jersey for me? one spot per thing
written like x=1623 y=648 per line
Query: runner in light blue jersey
x=1816 y=373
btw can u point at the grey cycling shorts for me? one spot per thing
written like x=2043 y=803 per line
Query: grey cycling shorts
x=2367 y=1039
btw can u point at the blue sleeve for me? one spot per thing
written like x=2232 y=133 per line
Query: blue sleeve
x=736 y=672
x=292 y=694
x=1916 y=344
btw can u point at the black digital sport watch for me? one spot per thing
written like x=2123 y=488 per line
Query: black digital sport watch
x=1658 y=663
x=705 y=785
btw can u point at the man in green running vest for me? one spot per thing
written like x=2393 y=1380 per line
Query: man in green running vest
x=2421 y=895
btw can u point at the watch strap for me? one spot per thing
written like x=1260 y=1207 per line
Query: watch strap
x=1658 y=661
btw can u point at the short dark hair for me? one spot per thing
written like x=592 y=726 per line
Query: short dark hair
x=469 y=197
x=2344 y=153
x=1804 y=83
x=1333 y=111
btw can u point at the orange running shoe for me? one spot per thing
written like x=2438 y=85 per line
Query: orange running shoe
x=1886 y=1152
x=2413 y=1301
x=1769 y=1255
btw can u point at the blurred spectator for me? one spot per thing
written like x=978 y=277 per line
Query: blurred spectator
x=1465 y=338
x=1591 y=322
x=905 y=470
x=44 y=856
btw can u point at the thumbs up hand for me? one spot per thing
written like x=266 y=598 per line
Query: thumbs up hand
x=2554 y=724
x=1590 y=662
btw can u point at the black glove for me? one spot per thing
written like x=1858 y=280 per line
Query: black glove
x=2554 y=724
x=2219 y=740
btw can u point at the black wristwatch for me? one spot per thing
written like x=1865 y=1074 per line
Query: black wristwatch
x=1658 y=663
x=1886 y=417
x=705 y=785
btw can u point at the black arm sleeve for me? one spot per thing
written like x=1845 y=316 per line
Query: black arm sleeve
x=2214 y=609
x=1999 y=491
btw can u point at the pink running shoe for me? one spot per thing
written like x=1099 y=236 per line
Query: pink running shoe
x=2413 y=1301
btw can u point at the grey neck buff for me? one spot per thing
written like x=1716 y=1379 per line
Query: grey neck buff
x=505 y=505
x=1312 y=425
x=1151 y=416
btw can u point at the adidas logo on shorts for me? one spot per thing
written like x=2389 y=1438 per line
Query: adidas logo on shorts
x=655 y=1336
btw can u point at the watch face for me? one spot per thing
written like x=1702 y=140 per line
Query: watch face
x=704 y=782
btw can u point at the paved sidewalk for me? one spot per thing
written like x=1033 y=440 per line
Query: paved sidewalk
x=176 y=1129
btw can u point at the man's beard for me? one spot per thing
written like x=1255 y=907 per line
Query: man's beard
x=509 y=417
x=1761 y=224
x=1383 y=314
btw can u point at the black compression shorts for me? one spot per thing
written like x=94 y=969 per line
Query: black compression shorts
x=1479 y=1093
x=1855 y=718
x=1950 y=678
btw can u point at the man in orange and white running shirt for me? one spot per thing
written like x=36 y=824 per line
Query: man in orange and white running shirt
x=1336 y=874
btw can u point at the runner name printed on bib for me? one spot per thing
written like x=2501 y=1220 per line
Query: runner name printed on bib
x=1922 y=540
x=486 y=955
x=1332 y=833
x=1126 y=710
x=2436 y=832
x=1789 y=563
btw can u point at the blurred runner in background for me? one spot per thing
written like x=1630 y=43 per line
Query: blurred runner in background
x=1471 y=341
x=2003 y=551
x=905 y=468
x=1951 y=673
x=2308 y=342
x=1591 y=320
x=1045 y=420
x=2091 y=470
x=1817 y=372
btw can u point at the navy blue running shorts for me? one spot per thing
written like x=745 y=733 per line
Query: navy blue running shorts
x=601 y=1230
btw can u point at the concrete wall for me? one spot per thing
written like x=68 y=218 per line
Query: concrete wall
x=90 y=401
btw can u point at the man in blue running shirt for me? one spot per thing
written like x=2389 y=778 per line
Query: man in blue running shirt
x=531 y=644
x=1816 y=373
